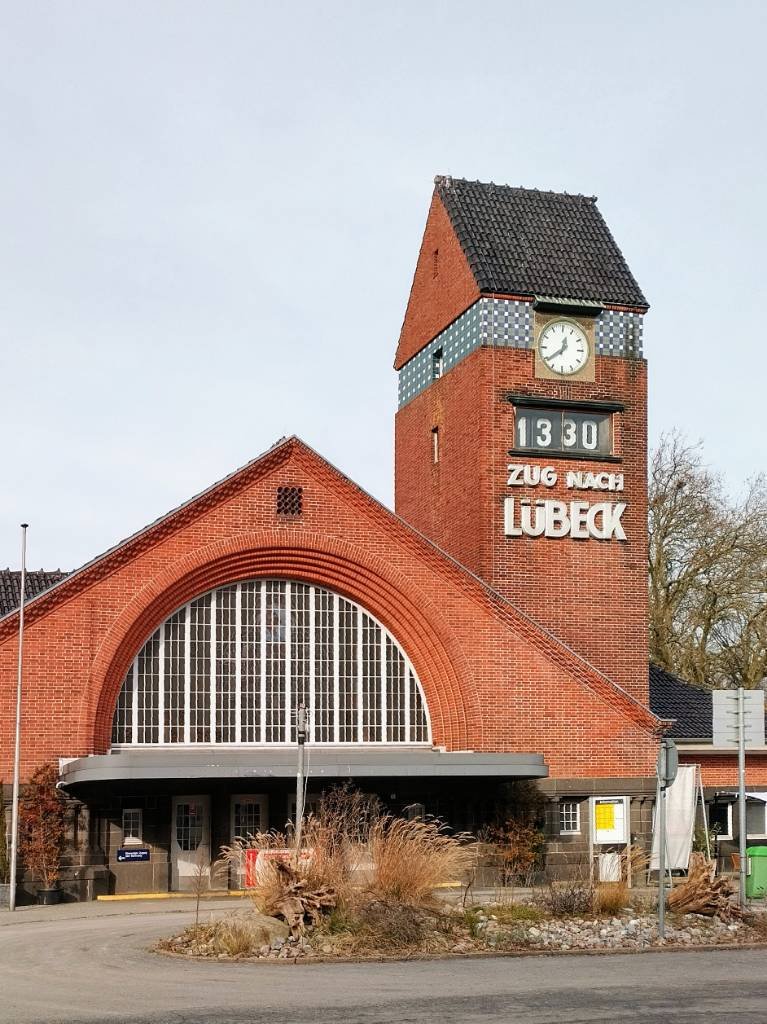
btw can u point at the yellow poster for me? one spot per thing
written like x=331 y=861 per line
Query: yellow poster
x=604 y=817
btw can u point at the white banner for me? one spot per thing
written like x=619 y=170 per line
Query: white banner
x=681 y=798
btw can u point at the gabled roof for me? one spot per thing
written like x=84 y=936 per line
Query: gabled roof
x=36 y=581
x=520 y=241
x=526 y=628
x=691 y=706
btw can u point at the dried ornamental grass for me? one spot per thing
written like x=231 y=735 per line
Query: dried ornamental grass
x=411 y=858
x=610 y=898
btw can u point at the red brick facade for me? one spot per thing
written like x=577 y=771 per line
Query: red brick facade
x=493 y=680
x=721 y=770
x=591 y=594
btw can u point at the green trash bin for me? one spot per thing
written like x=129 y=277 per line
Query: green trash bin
x=756 y=877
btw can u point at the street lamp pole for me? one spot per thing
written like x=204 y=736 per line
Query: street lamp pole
x=17 y=748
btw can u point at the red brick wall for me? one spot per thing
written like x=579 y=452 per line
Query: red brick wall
x=436 y=299
x=492 y=681
x=722 y=769
x=591 y=594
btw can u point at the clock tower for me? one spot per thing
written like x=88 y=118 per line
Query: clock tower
x=521 y=433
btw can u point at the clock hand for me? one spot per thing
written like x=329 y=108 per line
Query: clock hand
x=560 y=351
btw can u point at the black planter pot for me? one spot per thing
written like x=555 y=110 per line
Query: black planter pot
x=48 y=897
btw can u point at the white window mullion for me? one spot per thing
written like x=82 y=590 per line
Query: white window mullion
x=238 y=664
x=312 y=623
x=213 y=638
x=161 y=687
x=187 y=674
x=134 y=703
x=409 y=682
x=288 y=667
x=336 y=658
x=383 y=687
x=360 y=714
x=262 y=620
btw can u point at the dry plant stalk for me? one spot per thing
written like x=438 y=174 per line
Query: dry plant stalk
x=610 y=897
x=703 y=893
x=268 y=887
x=354 y=853
x=411 y=858
x=637 y=860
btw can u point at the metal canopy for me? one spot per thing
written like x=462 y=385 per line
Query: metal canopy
x=322 y=762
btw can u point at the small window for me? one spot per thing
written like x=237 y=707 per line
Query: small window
x=756 y=818
x=289 y=501
x=437 y=364
x=435 y=444
x=720 y=819
x=132 y=825
x=435 y=263
x=569 y=817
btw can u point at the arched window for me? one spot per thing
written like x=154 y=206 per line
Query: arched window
x=233 y=666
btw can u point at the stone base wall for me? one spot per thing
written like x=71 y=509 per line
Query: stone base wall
x=567 y=855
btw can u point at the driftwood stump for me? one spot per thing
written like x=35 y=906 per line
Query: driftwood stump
x=703 y=893
x=299 y=905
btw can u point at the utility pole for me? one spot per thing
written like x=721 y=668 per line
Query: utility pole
x=301 y=734
x=17 y=747
x=661 y=860
x=742 y=794
x=747 y=707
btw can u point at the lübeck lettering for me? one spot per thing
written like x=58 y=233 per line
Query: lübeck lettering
x=578 y=519
x=581 y=520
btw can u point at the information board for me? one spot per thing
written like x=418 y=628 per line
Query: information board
x=609 y=820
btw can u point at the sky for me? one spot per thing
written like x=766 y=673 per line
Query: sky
x=210 y=215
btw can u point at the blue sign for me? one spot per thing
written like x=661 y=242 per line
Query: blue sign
x=124 y=855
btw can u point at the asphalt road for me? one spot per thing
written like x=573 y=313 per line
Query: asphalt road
x=98 y=969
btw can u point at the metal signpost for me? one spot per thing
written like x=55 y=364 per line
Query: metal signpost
x=738 y=720
x=301 y=734
x=668 y=765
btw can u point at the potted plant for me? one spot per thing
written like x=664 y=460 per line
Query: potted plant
x=42 y=832
x=5 y=865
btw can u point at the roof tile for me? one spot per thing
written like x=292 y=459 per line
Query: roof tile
x=37 y=580
x=522 y=241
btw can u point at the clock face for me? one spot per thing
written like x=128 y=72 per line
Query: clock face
x=563 y=347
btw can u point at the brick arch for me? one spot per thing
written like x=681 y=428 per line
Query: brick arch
x=410 y=616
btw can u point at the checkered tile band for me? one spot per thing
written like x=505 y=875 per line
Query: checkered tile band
x=509 y=323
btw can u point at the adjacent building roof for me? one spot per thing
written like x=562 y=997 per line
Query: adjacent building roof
x=526 y=242
x=36 y=581
x=691 y=706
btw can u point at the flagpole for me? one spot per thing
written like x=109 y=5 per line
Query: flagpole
x=17 y=749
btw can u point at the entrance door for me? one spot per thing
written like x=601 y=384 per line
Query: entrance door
x=190 y=842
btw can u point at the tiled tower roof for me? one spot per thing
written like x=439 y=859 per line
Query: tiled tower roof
x=522 y=241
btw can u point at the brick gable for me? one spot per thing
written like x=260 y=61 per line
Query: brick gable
x=493 y=679
x=443 y=285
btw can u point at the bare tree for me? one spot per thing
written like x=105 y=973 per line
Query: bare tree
x=707 y=570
